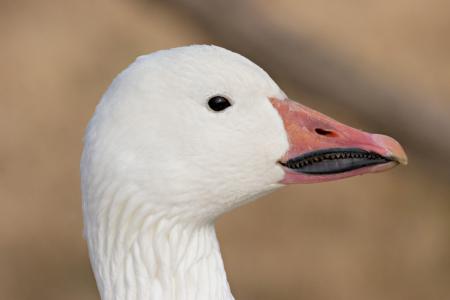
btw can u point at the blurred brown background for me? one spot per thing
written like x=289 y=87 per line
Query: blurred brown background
x=379 y=65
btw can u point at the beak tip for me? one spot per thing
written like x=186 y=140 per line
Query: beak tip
x=394 y=148
x=402 y=160
x=400 y=155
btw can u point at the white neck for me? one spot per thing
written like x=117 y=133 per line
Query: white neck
x=139 y=254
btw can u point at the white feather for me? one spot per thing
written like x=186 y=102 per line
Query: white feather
x=159 y=166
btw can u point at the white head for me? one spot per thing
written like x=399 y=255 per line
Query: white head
x=155 y=131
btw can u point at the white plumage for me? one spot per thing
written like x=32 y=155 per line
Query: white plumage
x=159 y=166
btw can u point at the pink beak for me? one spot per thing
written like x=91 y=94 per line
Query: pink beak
x=322 y=149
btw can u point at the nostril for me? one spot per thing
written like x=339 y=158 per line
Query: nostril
x=325 y=132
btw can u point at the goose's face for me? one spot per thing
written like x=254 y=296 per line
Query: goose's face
x=202 y=129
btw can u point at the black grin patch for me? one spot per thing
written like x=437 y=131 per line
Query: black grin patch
x=334 y=161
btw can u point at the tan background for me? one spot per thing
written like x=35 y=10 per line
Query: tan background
x=383 y=236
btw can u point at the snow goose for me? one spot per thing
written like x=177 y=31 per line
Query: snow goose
x=182 y=136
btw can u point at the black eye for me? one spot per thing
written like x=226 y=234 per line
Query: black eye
x=218 y=103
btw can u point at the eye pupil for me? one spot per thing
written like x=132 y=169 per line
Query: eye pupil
x=218 y=103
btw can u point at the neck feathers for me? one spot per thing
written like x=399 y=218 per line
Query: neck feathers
x=139 y=253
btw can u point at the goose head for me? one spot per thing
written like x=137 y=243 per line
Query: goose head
x=206 y=129
x=192 y=132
